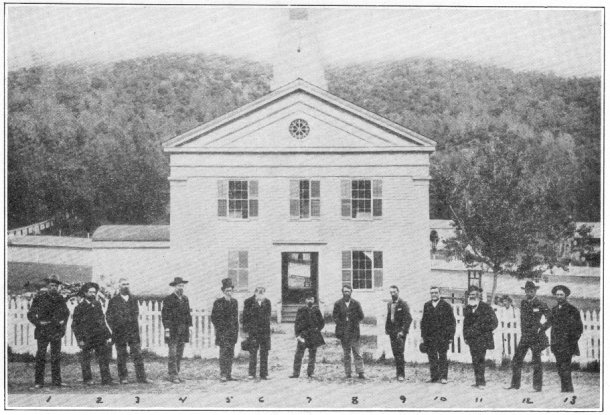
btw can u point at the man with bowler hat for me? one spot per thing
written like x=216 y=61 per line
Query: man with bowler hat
x=566 y=329
x=49 y=314
x=257 y=324
x=177 y=321
x=226 y=324
x=307 y=328
x=532 y=311
x=92 y=333
x=437 y=332
x=479 y=323
x=122 y=316
x=398 y=321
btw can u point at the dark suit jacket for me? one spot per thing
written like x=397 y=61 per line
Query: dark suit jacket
x=122 y=317
x=89 y=324
x=479 y=326
x=176 y=316
x=225 y=320
x=308 y=324
x=257 y=321
x=52 y=309
x=347 y=321
x=438 y=324
x=402 y=319
x=531 y=314
x=566 y=329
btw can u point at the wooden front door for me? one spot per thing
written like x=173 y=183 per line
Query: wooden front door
x=299 y=274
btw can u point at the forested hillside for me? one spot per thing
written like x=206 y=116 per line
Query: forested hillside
x=86 y=140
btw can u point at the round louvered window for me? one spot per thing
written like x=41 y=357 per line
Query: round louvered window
x=299 y=128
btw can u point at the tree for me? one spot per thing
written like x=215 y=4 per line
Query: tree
x=511 y=198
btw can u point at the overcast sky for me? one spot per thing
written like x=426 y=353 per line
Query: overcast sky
x=567 y=42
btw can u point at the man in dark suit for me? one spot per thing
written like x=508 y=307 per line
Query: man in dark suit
x=122 y=317
x=92 y=333
x=307 y=328
x=177 y=321
x=226 y=324
x=437 y=331
x=479 y=323
x=49 y=314
x=566 y=329
x=532 y=311
x=257 y=324
x=397 y=325
x=347 y=314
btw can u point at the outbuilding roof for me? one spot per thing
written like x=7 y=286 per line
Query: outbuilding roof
x=132 y=233
x=50 y=241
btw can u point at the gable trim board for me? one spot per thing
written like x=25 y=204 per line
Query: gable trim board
x=412 y=140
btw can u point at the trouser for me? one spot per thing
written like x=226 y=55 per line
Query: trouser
x=176 y=350
x=264 y=357
x=136 y=355
x=226 y=360
x=102 y=352
x=517 y=363
x=41 y=355
x=564 y=369
x=437 y=356
x=349 y=347
x=398 y=350
x=298 y=359
x=478 y=364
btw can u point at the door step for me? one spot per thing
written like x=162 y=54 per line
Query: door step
x=289 y=312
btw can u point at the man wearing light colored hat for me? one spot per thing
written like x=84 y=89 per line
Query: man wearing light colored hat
x=566 y=329
x=49 y=313
x=532 y=336
x=177 y=321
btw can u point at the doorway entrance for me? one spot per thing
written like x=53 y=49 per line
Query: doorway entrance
x=299 y=274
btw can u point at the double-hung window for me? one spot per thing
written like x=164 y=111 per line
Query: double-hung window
x=304 y=199
x=361 y=198
x=362 y=269
x=238 y=198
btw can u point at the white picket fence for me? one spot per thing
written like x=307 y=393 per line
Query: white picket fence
x=506 y=338
x=20 y=334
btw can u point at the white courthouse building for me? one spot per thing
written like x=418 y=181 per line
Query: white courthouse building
x=300 y=190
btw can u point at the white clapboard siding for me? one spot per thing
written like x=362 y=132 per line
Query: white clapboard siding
x=506 y=338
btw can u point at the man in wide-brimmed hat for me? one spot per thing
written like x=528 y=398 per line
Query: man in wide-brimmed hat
x=49 y=313
x=566 y=329
x=532 y=336
x=226 y=324
x=177 y=321
x=479 y=323
x=92 y=333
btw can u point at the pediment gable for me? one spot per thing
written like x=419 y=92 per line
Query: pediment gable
x=332 y=124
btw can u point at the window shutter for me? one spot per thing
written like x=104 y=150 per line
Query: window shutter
x=346 y=202
x=346 y=265
x=377 y=269
x=253 y=198
x=315 y=198
x=377 y=198
x=222 y=198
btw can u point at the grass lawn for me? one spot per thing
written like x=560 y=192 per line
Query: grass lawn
x=328 y=388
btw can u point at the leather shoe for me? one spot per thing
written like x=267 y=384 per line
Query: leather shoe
x=293 y=376
x=174 y=380
x=251 y=377
x=60 y=385
x=444 y=381
x=401 y=378
x=144 y=381
x=361 y=376
x=89 y=383
x=123 y=381
x=109 y=383
x=265 y=378
x=511 y=387
x=38 y=386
